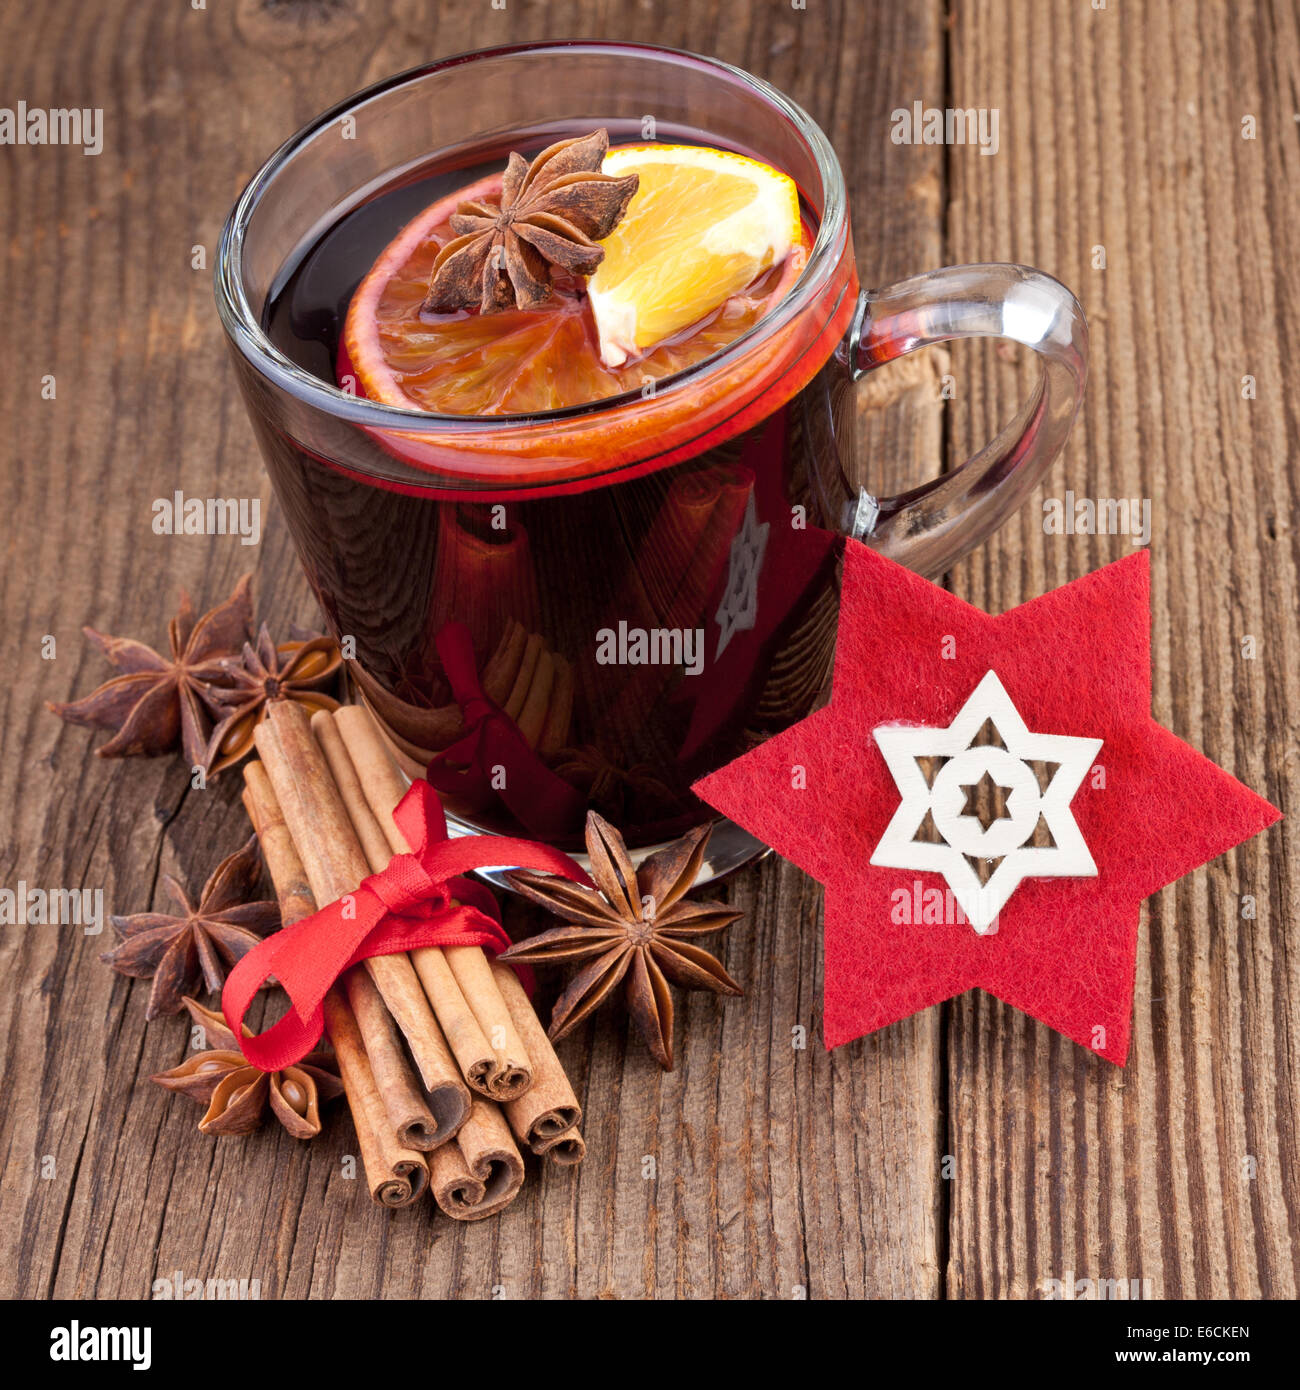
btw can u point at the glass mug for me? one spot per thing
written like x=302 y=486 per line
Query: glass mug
x=594 y=606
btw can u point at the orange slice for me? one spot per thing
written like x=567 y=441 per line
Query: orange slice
x=702 y=225
x=518 y=362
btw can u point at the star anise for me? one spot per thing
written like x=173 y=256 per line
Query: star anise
x=237 y=1095
x=551 y=215
x=203 y=942
x=155 y=698
x=638 y=927
x=291 y=671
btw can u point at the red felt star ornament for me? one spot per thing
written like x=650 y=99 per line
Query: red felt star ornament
x=1135 y=813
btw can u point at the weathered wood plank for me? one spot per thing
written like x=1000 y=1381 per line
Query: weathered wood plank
x=777 y=1170
x=1122 y=128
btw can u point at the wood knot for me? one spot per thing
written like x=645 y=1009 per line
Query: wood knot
x=290 y=24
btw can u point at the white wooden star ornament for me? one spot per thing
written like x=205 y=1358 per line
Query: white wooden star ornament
x=948 y=795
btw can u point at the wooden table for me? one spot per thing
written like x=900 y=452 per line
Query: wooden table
x=968 y=1152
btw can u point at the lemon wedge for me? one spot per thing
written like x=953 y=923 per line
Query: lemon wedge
x=701 y=226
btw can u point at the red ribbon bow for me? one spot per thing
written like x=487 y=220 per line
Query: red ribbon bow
x=408 y=904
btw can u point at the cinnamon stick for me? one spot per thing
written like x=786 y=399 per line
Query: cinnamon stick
x=532 y=714
x=471 y=1054
x=481 y=1172
x=335 y=864
x=466 y=1039
x=502 y=667
x=512 y=1073
x=395 y=1174
x=564 y=1150
x=559 y=714
x=533 y=651
x=370 y=836
x=448 y=1103
x=313 y=810
x=411 y=761
x=282 y=859
x=381 y=783
x=473 y=1014
x=419 y=1122
x=548 y=1112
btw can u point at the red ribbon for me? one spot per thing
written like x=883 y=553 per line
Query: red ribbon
x=539 y=800
x=408 y=904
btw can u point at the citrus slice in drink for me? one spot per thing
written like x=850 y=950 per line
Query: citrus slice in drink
x=524 y=361
x=703 y=225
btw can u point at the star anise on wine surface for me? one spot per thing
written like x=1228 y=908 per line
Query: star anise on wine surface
x=157 y=698
x=265 y=672
x=638 y=929
x=237 y=1095
x=550 y=216
x=203 y=941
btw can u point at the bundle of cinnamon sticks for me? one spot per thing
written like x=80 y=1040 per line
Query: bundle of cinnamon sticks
x=447 y=1069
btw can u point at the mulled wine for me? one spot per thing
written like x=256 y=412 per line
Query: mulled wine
x=636 y=631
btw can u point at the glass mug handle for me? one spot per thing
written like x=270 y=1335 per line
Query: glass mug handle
x=932 y=526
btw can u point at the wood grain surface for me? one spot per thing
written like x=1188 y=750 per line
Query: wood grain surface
x=967 y=1152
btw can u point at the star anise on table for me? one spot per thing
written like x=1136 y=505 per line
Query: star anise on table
x=203 y=942
x=156 y=698
x=291 y=671
x=551 y=215
x=638 y=928
x=237 y=1095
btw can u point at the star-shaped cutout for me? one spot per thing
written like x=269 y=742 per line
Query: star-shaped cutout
x=1074 y=664
x=965 y=837
x=738 y=611
x=984 y=802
